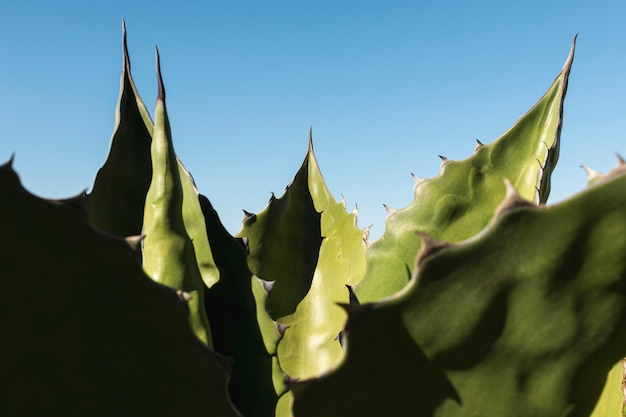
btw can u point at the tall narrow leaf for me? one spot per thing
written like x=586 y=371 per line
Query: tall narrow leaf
x=117 y=198
x=168 y=253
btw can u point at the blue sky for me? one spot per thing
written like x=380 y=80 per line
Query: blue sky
x=386 y=87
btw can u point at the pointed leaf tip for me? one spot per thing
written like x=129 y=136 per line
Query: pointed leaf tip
x=161 y=92
x=9 y=163
x=125 y=55
x=7 y=168
x=311 y=139
x=570 y=58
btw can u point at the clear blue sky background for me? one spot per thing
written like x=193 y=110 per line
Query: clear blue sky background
x=386 y=86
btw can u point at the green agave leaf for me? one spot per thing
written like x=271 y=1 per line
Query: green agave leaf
x=86 y=332
x=383 y=373
x=117 y=199
x=240 y=325
x=168 y=252
x=272 y=333
x=197 y=229
x=310 y=248
x=310 y=345
x=535 y=338
x=284 y=241
x=460 y=202
x=116 y=202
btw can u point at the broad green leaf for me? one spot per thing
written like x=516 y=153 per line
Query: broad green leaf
x=310 y=345
x=168 y=253
x=284 y=241
x=461 y=200
x=532 y=338
x=85 y=332
x=310 y=247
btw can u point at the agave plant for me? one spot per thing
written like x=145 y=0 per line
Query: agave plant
x=479 y=299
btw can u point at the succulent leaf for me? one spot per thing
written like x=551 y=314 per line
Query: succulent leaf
x=540 y=335
x=196 y=227
x=311 y=249
x=240 y=325
x=168 y=252
x=310 y=345
x=89 y=333
x=117 y=198
x=510 y=309
x=461 y=201
x=284 y=242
